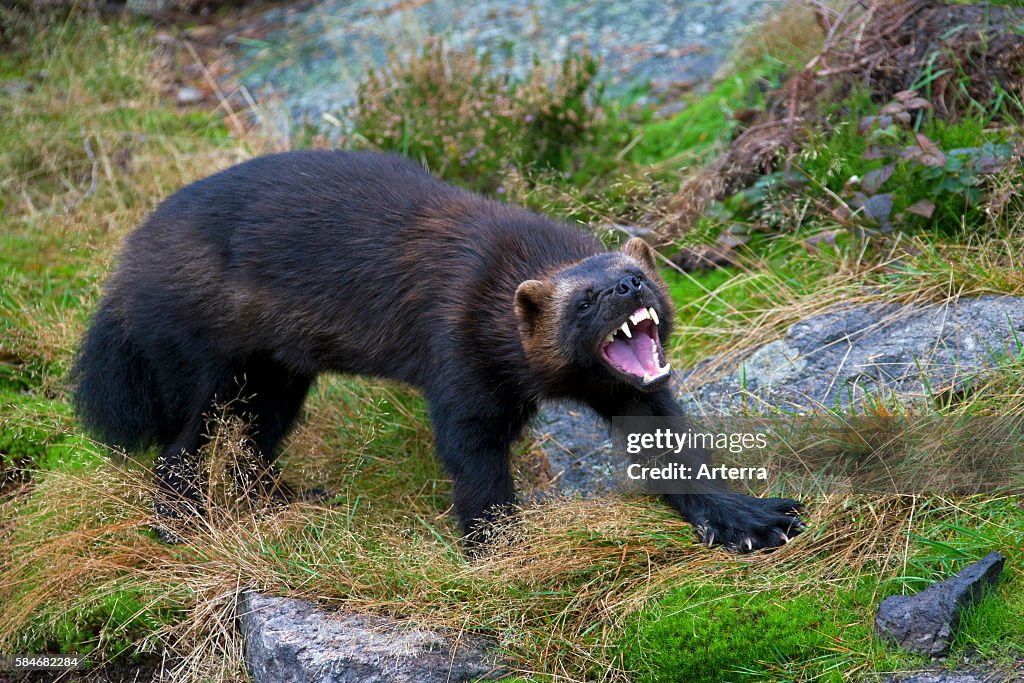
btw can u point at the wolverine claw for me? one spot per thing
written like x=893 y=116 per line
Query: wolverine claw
x=743 y=524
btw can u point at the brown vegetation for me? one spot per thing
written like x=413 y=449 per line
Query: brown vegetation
x=958 y=56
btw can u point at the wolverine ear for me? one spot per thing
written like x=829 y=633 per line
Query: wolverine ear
x=530 y=298
x=641 y=251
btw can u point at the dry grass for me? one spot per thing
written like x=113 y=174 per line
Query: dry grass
x=555 y=600
x=759 y=303
x=792 y=34
x=574 y=564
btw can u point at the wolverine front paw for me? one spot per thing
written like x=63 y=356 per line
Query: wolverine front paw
x=744 y=524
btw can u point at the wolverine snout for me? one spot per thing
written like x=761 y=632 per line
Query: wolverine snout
x=631 y=285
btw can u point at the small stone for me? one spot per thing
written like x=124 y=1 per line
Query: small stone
x=671 y=109
x=17 y=87
x=189 y=95
x=202 y=31
x=946 y=677
x=289 y=640
x=926 y=623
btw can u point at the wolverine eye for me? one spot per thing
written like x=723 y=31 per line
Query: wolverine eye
x=584 y=305
x=587 y=301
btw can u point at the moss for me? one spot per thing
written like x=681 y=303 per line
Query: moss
x=111 y=624
x=710 y=635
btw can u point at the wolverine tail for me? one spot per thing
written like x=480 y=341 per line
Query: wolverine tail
x=115 y=393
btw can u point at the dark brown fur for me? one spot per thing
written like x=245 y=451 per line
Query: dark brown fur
x=258 y=278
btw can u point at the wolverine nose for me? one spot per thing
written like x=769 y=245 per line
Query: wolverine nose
x=629 y=286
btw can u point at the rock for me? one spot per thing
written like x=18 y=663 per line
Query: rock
x=927 y=622
x=289 y=640
x=149 y=7
x=707 y=257
x=578 y=448
x=189 y=95
x=644 y=233
x=332 y=44
x=17 y=88
x=948 y=677
x=842 y=357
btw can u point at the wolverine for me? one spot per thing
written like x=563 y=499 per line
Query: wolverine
x=253 y=281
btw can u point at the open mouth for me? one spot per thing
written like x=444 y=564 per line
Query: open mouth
x=634 y=349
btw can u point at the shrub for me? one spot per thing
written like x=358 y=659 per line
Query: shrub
x=468 y=124
x=884 y=168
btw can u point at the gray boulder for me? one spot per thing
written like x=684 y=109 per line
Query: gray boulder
x=293 y=641
x=332 y=44
x=926 y=623
x=840 y=359
x=577 y=450
x=954 y=677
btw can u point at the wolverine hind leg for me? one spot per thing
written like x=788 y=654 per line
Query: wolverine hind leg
x=272 y=398
x=180 y=494
x=179 y=474
x=268 y=399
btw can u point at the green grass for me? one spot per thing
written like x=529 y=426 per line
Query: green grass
x=707 y=120
x=38 y=433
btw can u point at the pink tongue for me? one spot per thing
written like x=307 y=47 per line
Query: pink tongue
x=633 y=355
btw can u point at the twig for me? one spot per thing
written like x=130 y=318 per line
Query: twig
x=95 y=167
x=216 y=88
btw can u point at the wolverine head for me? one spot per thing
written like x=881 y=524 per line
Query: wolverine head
x=606 y=314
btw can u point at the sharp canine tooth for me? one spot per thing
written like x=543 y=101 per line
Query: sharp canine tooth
x=625 y=330
x=654 y=316
x=610 y=338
